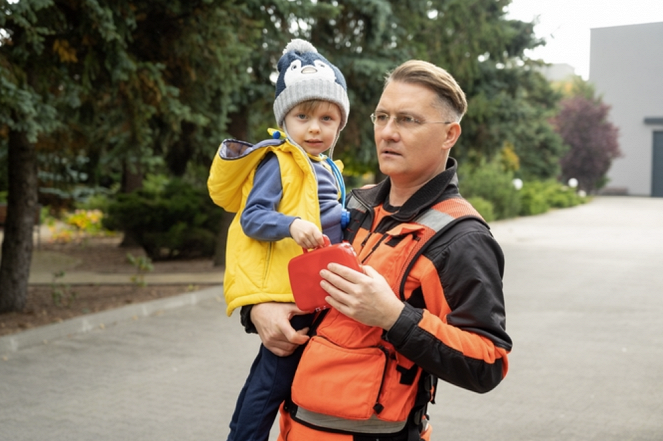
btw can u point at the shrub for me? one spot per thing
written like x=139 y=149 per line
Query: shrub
x=484 y=207
x=85 y=221
x=564 y=197
x=97 y=201
x=539 y=196
x=532 y=200
x=168 y=218
x=491 y=182
x=76 y=226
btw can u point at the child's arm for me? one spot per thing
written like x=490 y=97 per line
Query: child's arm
x=261 y=220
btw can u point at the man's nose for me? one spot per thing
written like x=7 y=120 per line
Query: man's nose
x=390 y=130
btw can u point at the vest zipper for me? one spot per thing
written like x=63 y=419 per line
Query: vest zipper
x=378 y=407
x=363 y=243
x=268 y=263
x=375 y=247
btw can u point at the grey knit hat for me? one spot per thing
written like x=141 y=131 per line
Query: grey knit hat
x=305 y=75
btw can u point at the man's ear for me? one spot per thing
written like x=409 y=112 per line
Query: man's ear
x=453 y=133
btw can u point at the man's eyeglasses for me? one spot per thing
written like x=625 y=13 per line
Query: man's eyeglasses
x=403 y=121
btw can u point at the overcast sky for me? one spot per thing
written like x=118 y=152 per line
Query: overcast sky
x=565 y=24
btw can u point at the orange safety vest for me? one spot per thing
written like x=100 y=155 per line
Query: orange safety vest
x=350 y=380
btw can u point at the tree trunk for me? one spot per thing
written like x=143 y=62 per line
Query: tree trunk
x=238 y=125
x=21 y=207
x=132 y=179
x=180 y=152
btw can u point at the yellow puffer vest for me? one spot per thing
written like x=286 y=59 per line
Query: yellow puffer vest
x=257 y=272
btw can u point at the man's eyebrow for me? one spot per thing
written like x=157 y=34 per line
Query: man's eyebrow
x=399 y=112
x=411 y=113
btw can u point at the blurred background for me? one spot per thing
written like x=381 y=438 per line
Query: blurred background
x=111 y=112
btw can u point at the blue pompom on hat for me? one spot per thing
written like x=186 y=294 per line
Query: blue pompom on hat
x=305 y=75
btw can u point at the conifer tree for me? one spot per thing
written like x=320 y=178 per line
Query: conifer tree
x=135 y=83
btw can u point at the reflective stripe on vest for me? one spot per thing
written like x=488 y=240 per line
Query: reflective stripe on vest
x=327 y=422
x=436 y=219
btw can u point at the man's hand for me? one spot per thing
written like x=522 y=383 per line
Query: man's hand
x=306 y=234
x=272 y=321
x=365 y=297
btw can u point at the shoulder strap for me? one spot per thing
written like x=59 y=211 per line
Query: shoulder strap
x=437 y=220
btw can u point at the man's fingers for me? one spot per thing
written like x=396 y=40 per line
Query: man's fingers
x=282 y=350
x=345 y=272
x=370 y=271
x=344 y=280
x=296 y=311
x=296 y=337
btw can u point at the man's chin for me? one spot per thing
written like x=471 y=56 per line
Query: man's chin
x=387 y=168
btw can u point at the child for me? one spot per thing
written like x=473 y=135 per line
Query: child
x=286 y=196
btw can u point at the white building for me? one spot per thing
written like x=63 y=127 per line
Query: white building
x=558 y=71
x=626 y=66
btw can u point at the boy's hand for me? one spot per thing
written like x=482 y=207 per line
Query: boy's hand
x=306 y=234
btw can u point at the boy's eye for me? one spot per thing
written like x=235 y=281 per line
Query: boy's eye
x=301 y=116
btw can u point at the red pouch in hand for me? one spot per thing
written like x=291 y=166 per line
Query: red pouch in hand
x=304 y=272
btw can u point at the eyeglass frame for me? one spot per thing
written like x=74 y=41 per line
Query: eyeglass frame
x=396 y=118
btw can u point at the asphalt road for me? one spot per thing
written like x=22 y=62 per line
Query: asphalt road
x=584 y=292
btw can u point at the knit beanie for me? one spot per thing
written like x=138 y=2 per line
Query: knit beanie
x=305 y=75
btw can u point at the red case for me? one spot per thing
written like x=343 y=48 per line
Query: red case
x=304 y=272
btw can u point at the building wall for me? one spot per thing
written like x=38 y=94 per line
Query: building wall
x=626 y=66
x=557 y=71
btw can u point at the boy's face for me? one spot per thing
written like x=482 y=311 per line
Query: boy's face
x=314 y=128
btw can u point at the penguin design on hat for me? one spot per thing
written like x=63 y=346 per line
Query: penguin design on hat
x=305 y=75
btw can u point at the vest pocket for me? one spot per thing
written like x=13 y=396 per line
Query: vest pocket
x=340 y=382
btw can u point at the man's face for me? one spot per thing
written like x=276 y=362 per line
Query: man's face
x=314 y=130
x=412 y=154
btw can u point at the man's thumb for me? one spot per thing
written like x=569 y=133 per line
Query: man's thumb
x=298 y=337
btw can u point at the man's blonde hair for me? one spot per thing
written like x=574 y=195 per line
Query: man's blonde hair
x=450 y=95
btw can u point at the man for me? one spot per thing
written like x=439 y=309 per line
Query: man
x=429 y=302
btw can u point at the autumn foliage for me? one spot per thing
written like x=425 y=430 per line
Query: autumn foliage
x=583 y=124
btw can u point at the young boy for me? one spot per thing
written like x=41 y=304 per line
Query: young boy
x=286 y=196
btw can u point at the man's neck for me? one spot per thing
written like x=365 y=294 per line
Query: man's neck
x=402 y=189
x=398 y=195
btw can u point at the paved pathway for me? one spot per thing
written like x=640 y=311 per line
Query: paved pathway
x=584 y=291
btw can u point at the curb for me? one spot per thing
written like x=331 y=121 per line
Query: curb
x=99 y=320
x=91 y=278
